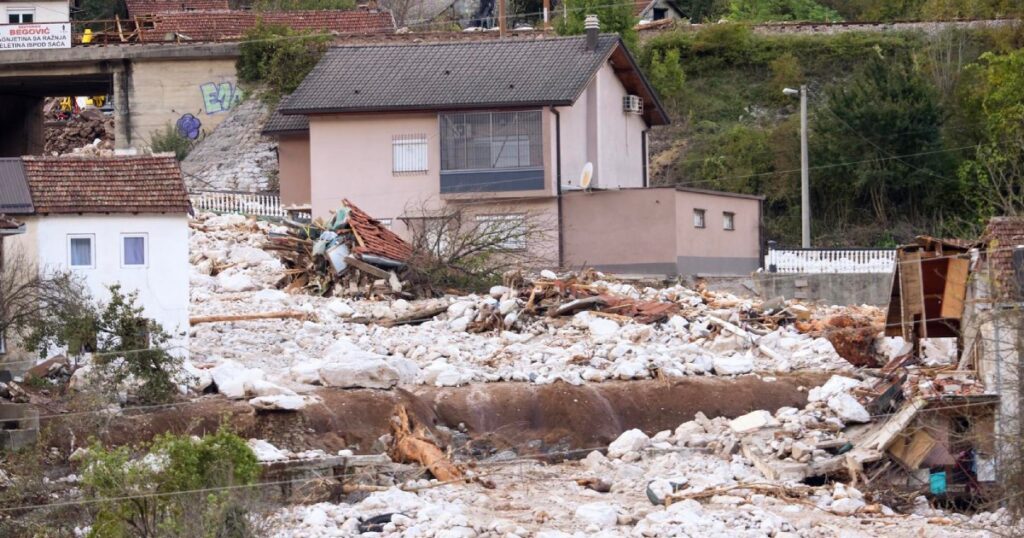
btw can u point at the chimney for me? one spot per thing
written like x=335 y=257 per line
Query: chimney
x=592 y=27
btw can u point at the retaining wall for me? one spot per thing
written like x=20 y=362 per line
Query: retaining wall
x=827 y=288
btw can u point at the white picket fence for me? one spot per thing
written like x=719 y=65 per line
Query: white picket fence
x=830 y=261
x=259 y=205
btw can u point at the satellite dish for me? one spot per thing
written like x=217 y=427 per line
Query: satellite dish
x=588 y=172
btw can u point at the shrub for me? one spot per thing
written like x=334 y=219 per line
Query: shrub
x=279 y=57
x=177 y=486
x=170 y=140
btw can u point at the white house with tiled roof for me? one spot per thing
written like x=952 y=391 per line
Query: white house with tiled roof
x=118 y=220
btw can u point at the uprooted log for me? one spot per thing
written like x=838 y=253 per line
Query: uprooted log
x=412 y=444
x=284 y=314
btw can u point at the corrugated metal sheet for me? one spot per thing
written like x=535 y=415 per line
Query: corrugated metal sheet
x=15 y=198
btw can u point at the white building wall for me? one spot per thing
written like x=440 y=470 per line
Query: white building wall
x=621 y=136
x=43 y=11
x=162 y=284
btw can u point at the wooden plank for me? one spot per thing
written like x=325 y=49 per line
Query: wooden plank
x=955 y=292
x=911 y=293
x=367 y=268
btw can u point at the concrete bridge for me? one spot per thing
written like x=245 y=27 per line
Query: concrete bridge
x=152 y=85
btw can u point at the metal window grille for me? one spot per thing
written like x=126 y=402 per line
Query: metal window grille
x=490 y=140
x=409 y=154
x=728 y=220
x=698 y=218
x=509 y=230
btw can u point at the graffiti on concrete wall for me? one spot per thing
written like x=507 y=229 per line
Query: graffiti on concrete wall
x=189 y=126
x=220 y=96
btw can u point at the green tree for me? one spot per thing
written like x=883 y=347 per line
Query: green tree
x=177 y=486
x=279 y=57
x=666 y=74
x=886 y=121
x=91 y=10
x=699 y=11
x=780 y=10
x=994 y=177
x=615 y=16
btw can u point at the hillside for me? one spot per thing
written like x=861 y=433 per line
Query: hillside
x=896 y=119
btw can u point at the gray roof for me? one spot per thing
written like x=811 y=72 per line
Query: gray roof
x=15 y=198
x=454 y=75
x=279 y=124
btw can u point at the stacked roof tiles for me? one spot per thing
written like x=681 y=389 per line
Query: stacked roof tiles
x=232 y=25
x=376 y=240
x=143 y=184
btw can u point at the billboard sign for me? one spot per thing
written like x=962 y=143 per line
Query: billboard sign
x=51 y=35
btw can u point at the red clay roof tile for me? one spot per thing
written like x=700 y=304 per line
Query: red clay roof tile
x=137 y=184
x=377 y=240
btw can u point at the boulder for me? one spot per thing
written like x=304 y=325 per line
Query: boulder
x=755 y=420
x=734 y=365
x=359 y=371
x=599 y=514
x=848 y=408
x=630 y=441
x=232 y=282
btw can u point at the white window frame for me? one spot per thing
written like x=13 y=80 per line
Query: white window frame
x=145 y=250
x=21 y=12
x=700 y=218
x=409 y=154
x=515 y=219
x=728 y=221
x=92 y=250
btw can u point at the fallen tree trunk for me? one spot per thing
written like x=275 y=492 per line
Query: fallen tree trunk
x=413 y=446
x=284 y=314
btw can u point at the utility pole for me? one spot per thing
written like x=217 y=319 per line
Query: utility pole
x=547 y=10
x=805 y=183
x=501 y=18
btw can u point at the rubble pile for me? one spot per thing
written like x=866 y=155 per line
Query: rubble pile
x=90 y=132
x=353 y=254
x=499 y=336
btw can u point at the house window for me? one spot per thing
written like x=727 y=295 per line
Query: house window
x=81 y=251
x=698 y=218
x=491 y=140
x=502 y=232
x=409 y=154
x=134 y=251
x=728 y=220
x=21 y=15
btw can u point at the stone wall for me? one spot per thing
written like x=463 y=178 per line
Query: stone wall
x=827 y=288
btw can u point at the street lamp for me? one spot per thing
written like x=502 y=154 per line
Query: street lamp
x=805 y=188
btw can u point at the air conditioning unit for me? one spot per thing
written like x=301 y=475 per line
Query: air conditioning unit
x=633 y=103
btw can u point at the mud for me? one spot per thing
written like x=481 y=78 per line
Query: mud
x=525 y=417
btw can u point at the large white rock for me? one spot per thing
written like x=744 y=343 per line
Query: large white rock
x=265 y=451
x=340 y=308
x=630 y=441
x=249 y=255
x=359 y=372
x=755 y=420
x=848 y=408
x=261 y=387
x=602 y=328
x=847 y=506
x=601 y=515
x=231 y=378
x=734 y=365
x=833 y=386
x=235 y=282
x=280 y=402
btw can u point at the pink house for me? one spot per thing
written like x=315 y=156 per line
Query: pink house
x=504 y=129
